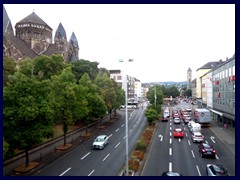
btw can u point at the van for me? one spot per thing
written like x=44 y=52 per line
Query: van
x=195 y=127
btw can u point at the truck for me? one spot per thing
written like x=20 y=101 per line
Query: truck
x=202 y=116
x=166 y=115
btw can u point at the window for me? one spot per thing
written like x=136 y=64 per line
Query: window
x=229 y=71
x=233 y=68
x=119 y=77
x=226 y=74
x=220 y=75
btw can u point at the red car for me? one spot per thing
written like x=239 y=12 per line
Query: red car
x=178 y=132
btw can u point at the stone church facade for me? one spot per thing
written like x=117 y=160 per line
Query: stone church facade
x=33 y=37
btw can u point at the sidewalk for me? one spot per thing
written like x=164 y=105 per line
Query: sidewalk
x=226 y=135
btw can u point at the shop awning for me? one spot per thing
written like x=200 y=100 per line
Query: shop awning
x=217 y=112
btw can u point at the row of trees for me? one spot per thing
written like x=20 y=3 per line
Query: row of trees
x=155 y=95
x=42 y=92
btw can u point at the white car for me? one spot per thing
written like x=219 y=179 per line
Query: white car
x=216 y=170
x=188 y=109
x=190 y=124
x=100 y=142
x=176 y=121
x=197 y=137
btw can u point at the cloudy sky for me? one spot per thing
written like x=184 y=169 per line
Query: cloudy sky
x=164 y=40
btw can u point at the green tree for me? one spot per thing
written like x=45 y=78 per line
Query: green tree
x=187 y=92
x=151 y=115
x=71 y=99
x=84 y=66
x=96 y=104
x=106 y=90
x=156 y=89
x=9 y=68
x=5 y=148
x=28 y=112
x=120 y=96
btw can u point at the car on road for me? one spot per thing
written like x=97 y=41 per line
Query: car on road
x=171 y=173
x=197 y=137
x=178 y=132
x=188 y=109
x=176 y=121
x=207 y=150
x=216 y=170
x=100 y=142
x=190 y=124
x=187 y=119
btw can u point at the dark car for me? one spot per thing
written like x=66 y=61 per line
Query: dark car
x=171 y=173
x=207 y=150
x=216 y=170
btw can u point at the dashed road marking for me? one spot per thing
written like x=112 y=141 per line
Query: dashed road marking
x=65 y=172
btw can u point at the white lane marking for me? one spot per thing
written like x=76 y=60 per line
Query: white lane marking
x=189 y=143
x=130 y=130
x=124 y=137
x=179 y=139
x=170 y=141
x=85 y=155
x=217 y=157
x=198 y=170
x=170 y=151
x=184 y=128
x=122 y=125
x=212 y=138
x=186 y=134
x=110 y=135
x=91 y=173
x=170 y=128
x=134 y=125
x=161 y=137
x=117 y=130
x=193 y=154
x=206 y=142
x=170 y=124
x=170 y=166
x=117 y=145
x=106 y=157
x=170 y=133
x=65 y=172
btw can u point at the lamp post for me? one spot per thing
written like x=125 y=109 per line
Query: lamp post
x=126 y=115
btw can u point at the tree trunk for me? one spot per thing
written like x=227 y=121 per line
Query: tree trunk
x=27 y=157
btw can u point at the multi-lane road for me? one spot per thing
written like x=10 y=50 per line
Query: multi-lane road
x=84 y=161
x=181 y=155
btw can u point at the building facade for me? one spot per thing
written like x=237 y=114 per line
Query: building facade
x=33 y=37
x=224 y=92
x=193 y=88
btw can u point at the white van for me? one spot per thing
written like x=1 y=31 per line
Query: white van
x=195 y=127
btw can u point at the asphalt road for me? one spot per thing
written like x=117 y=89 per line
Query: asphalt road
x=181 y=155
x=85 y=161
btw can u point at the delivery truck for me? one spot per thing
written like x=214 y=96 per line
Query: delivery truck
x=202 y=116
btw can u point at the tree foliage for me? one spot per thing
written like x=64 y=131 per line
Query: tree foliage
x=151 y=115
x=9 y=68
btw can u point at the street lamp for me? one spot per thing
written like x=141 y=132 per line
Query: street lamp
x=126 y=114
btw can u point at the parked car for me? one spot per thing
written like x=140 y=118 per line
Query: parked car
x=100 y=142
x=197 y=137
x=207 y=150
x=216 y=170
x=188 y=109
x=176 y=121
x=178 y=132
x=171 y=173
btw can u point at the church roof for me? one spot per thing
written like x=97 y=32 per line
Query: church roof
x=7 y=25
x=74 y=40
x=50 y=50
x=60 y=33
x=21 y=46
x=189 y=69
x=33 y=18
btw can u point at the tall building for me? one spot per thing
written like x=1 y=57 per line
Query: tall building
x=189 y=78
x=33 y=37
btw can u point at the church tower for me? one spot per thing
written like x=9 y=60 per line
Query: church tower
x=73 y=48
x=60 y=41
x=189 y=78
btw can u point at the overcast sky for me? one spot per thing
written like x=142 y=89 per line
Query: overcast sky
x=164 y=40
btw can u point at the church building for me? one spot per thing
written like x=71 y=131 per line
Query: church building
x=33 y=37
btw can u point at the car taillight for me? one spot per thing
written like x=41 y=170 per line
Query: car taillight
x=203 y=150
x=214 y=151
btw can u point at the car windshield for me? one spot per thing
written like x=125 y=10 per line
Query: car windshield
x=178 y=130
x=220 y=171
x=99 y=139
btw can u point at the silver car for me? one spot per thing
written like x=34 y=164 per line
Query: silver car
x=216 y=170
x=100 y=142
x=176 y=121
x=197 y=137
